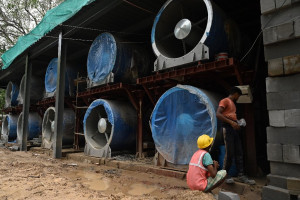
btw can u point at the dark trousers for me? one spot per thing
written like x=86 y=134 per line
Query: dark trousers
x=234 y=149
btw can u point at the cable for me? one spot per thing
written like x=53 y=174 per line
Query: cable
x=83 y=40
x=130 y=3
x=259 y=34
x=99 y=30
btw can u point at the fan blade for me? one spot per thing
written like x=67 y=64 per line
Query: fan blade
x=106 y=137
x=184 y=46
x=199 y=22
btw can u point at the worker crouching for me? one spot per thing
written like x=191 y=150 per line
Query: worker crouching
x=203 y=174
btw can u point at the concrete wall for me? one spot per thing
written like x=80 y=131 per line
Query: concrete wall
x=280 y=21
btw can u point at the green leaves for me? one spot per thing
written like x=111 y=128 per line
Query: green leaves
x=18 y=17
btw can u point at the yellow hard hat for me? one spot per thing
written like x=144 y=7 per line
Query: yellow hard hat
x=204 y=141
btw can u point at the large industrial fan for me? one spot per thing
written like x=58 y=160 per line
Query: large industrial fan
x=9 y=127
x=36 y=90
x=48 y=127
x=51 y=78
x=34 y=126
x=181 y=115
x=111 y=60
x=186 y=31
x=109 y=126
x=11 y=94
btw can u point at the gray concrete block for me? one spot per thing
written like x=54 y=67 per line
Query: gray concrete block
x=293 y=184
x=291 y=154
x=286 y=135
x=292 y=117
x=283 y=100
x=282 y=3
x=297 y=27
x=291 y=64
x=274 y=152
x=228 y=196
x=276 y=118
x=285 y=31
x=275 y=193
x=275 y=67
x=270 y=35
x=285 y=169
x=277 y=181
x=267 y=5
x=282 y=49
x=283 y=84
x=280 y=17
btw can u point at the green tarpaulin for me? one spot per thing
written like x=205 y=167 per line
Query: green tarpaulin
x=53 y=17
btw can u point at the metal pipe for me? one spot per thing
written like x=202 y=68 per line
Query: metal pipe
x=60 y=96
x=24 y=131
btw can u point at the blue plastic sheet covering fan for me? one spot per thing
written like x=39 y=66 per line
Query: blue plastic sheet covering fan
x=51 y=77
x=180 y=116
x=9 y=126
x=34 y=126
x=106 y=56
x=11 y=94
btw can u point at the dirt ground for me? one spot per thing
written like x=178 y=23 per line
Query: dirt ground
x=28 y=175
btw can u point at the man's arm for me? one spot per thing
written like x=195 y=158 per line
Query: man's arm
x=221 y=117
x=213 y=169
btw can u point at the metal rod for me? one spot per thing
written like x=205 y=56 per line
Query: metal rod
x=26 y=104
x=60 y=94
x=140 y=129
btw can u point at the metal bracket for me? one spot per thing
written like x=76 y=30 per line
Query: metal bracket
x=109 y=79
x=200 y=52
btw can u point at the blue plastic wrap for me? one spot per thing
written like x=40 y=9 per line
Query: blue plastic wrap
x=11 y=94
x=107 y=55
x=14 y=95
x=122 y=118
x=102 y=57
x=180 y=116
x=34 y=124
x=51 y=77
x=9 y=127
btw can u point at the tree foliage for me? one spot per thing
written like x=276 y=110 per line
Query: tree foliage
x=18 y=17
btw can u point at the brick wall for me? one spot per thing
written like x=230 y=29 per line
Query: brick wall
x=280 y=21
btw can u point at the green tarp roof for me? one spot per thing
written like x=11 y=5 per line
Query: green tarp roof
x=53 y=17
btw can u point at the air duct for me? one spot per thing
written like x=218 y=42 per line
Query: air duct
x=34 y=126
x=48 y=126
x=181 y=115
x=36 y=90
x=51 y=79
x=191 y=30
x=110 y=60
x=11 y=94
x=9 y=127
x=109 y=125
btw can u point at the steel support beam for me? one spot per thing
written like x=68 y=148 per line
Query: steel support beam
x=26 y=105
x=60 y=95
x=139 y=139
